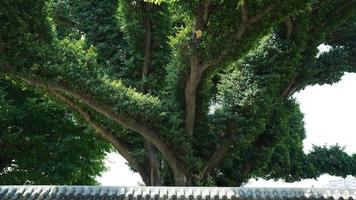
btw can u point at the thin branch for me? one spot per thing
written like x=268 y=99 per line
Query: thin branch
x=289 y=27
x=147 y=45
x=261 y=14
x=346 y=7
x=244 y=13
x=247 y=21
x=288 y=90
x=245 y=24
x=2 y=45
x=218 y=155
x=222 y=151
x=63 y=21
x=206 y=6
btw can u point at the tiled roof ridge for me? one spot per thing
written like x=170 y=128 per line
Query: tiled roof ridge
x=170 y=193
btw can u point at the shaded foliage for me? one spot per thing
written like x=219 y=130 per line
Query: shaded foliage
x=44 y=143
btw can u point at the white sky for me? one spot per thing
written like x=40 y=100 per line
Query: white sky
x=330 y=118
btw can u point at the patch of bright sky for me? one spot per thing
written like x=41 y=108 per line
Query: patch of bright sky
x=330 y=113
x=118 y=173
x=330 y=118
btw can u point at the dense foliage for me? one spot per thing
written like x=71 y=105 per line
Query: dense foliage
x=189 y=92
x=44 y=143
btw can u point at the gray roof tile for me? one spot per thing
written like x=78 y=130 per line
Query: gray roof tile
x=169 y=193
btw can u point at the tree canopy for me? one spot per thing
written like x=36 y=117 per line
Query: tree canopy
x=188 y=92
x=44 y=143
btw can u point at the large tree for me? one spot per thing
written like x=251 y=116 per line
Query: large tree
x=189 y=92
x=43 y=143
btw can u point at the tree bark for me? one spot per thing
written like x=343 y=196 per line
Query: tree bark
x=197 y=68
x=192 y=83
x=153 y=164
x=180 y=178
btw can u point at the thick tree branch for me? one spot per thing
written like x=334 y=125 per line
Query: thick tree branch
x=119 y=145
x=191 y=87
x=246 y=21
x=203 y=17
x=137 y=126
x=196 y=69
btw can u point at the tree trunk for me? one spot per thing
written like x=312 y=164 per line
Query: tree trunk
x=180 y=179
x=153 y=165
